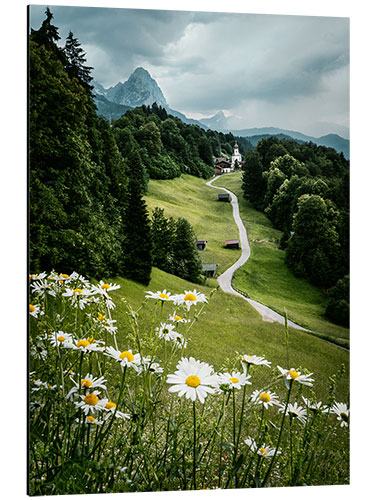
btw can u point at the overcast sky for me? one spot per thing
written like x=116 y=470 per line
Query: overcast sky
x=285 y=71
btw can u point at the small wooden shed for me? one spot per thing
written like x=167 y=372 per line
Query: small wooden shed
x=201 y=244
x=232 y=244
x=223 y=196
x=209 y=269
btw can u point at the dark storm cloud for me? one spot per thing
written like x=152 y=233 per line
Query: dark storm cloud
x=206 y=61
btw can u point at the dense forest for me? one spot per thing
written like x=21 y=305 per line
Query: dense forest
x=87 y=177
x=87 y=180
x=304 y=190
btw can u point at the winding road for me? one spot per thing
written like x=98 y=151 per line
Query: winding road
x=225 y=279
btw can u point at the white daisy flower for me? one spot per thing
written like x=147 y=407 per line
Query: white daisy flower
x=125 y=358
x=235 y=380
x=342 y=411
x=103 y=288
x=193 y=379
x=38 y=385
x=85 y=345
x=40 y=276
x=267 y=451
x=266 y=398
x=315 y=407
x=148 y=365
x=295 y=411
x=60 y=338
x=166 y=331
x=177 y=319
x=189 y=298
x=179 y=340
x=248 y=359
x=163 y=296
x=110 y=409
x=293 y=374
x=91 y=402
x=35 y=310
x=90 y=420
x=42 y=288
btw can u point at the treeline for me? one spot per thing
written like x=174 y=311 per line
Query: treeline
x=86 y=178
x=304 y=190
x=169 y=147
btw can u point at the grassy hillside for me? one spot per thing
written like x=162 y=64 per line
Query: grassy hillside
x=189 y=197
x=266 y=278
x=229 y=325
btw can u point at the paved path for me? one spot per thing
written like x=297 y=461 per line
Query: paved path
x=225 y=279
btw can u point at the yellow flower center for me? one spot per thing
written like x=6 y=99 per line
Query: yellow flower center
x=165 y=331
x=100 y=316
x=91 y=340
x=128 y=355
x=61 y=338
x=263 y=451
x=32 y=308
x=192 y=381
x=266 y=398
x=85 y=382
x=90 y=419
x=234 y=380
x=110 y=405
x=105 y=286
x=64 y=276
x=177 y=318
x=293 y=374
x=190 y=296
x=163 y=296
x=82 y=343
x=77 y=290
x=91 y=399
x=33 y=276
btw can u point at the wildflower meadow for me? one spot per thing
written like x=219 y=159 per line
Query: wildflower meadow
x=111 y=414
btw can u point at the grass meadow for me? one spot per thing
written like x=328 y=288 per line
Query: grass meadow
x=176 y=386
x=266 y=278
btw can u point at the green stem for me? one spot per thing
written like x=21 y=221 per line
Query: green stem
x=194 y=446
x=291 y=446
x=266 y=477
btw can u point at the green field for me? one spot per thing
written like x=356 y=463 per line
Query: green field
x=229 y=325
x=189 y=197
x=266 y=278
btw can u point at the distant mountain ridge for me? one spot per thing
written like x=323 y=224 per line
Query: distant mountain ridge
x=141 y=89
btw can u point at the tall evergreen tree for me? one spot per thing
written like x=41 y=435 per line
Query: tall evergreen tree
x=75 y=62
x=137 y=248
x=163 y=236
x=188 y=264
x=253 y=182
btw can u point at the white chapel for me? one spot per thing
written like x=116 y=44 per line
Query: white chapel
x=236 y=156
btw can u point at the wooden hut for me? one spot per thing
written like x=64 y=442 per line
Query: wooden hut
x=201 y=244
x=209 y=269
x=222 y=166
x=223 y=197
x=232 y=244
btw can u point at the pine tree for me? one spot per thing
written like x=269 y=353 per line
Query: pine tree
x=187 y=262
x=253 y=183
x=137 y=247
x=75 y=62
x=163 y=236
x=48 y=35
